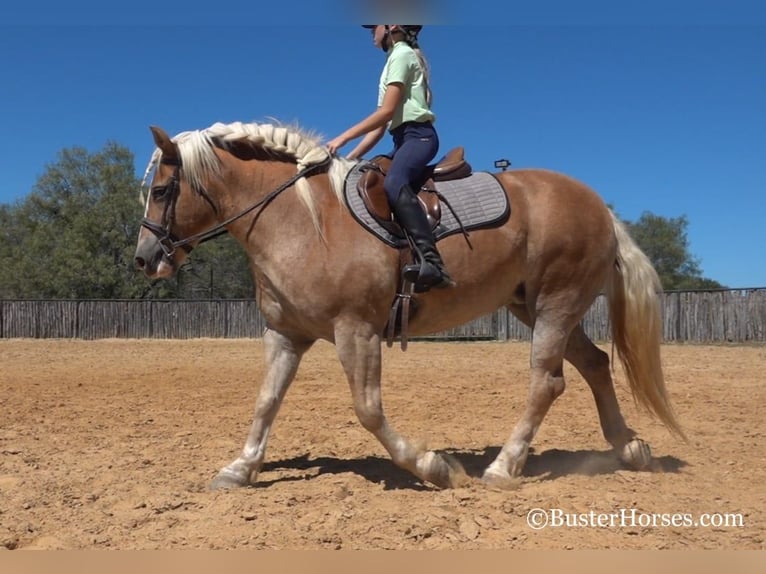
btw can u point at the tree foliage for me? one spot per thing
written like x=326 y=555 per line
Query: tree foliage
x=70 y=237
x=665 y=242
x=74 y=235
x=217 y=269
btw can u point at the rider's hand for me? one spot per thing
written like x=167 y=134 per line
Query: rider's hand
x=335 y=144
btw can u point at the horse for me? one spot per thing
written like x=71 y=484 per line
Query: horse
x=319 y=275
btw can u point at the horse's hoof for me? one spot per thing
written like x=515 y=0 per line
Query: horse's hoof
x=442 y=470
x=637 y=454
x=226 y=481
x=502 y=481
x=457 y=474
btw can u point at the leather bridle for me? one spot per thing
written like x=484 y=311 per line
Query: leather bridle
x=169 y=193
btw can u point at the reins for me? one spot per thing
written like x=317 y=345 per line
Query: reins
x=168 y=241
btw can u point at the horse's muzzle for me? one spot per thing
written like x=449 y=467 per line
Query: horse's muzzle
x=150 y=258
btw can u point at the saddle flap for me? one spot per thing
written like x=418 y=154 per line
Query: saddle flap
x=373 y=194
x=371 y=190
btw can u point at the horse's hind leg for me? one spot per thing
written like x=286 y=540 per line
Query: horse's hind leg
x=593 y=365
x=283 y=356
x=359 y=351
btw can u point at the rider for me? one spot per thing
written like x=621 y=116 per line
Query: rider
x=404 y=106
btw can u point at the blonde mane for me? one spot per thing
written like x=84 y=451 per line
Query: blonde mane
x=293 y=144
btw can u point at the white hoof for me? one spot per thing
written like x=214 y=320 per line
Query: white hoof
x=501 y=480
x=226 y=481
x=444 y=471
x=637 y=454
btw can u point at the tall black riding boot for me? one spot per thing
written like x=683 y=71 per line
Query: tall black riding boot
x=429 y=269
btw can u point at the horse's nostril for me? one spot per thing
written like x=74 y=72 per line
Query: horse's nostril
x=140 y=262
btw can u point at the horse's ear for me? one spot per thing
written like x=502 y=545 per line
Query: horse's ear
x=164 y=142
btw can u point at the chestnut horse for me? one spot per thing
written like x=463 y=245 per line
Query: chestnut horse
x=320 y=275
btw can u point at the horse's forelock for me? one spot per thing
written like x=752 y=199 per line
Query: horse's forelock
x=198 y=157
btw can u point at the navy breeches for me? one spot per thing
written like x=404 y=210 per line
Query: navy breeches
x=415 y=144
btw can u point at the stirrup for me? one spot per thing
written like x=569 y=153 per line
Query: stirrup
x=411 y=272
x=415 y=274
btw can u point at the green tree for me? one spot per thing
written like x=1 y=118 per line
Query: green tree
x=665 y=242
x=73 y=236
x=217 y=269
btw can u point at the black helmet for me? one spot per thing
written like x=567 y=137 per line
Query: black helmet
x=413 y=29
x=410 y=33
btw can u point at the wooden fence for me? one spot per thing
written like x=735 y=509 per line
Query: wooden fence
x=135 y=319
x=737 y=315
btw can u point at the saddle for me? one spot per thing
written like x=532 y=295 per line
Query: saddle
x=370 y=188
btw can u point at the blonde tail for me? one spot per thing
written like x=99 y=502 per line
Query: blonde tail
x=634 y=309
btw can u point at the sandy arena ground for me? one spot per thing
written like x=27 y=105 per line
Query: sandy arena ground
x=113 y=444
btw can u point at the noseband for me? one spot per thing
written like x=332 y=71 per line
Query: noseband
x=169 y=194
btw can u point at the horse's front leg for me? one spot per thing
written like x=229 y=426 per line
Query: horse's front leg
x=283 y=355
x=359 y=351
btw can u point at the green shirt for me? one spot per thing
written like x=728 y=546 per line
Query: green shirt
x=403 y=66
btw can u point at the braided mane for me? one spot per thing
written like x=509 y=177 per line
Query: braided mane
x=290 y=144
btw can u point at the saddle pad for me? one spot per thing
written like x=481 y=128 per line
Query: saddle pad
x=479 y=201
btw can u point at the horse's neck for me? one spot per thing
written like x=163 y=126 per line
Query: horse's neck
x=283 y=221
x=287 y=254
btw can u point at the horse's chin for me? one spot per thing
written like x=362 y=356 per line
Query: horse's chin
x=164 y=270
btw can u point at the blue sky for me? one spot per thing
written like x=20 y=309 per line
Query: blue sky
x=661 y=111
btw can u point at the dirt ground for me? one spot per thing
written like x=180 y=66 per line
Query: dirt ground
x=113 y=444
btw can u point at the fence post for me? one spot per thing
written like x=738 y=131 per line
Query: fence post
x=502 y=324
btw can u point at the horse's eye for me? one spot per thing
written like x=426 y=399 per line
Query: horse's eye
x=159 y=192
